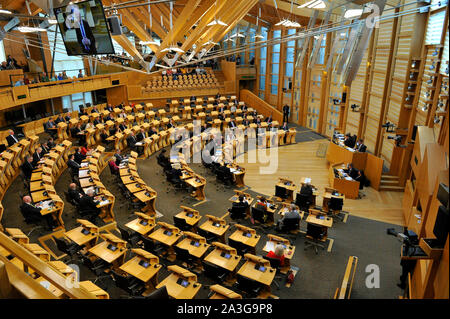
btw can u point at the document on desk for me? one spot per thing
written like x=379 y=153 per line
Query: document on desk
x=351 y=149
x=46 y=204
x=234 y=171
x=348 y=178
x=84 y=164
x=138 y=144
x=104 y=202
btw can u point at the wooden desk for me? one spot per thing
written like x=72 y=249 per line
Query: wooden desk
x=143 y=266
x=194 y=243
x=289 y=186
x=289 y=249
x=265 y=276
x=218 y=257
x=191 y=216
x=216 y=226
x=246 y=236
x=94 y=289
x=38 y=251
x=17 y=235
x=112 y=257
x=167 y=235
x=198 y=183
x=220 y=292
x=323 y=221
x=177 y=290
x=143 y=224
x=348 y=187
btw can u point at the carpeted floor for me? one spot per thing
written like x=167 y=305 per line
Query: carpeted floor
x=319 y=274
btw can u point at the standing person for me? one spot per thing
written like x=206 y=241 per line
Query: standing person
x=286 y=111
x=80 y=74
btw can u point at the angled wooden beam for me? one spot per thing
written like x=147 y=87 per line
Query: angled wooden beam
x=142 y=14
x=126 y=44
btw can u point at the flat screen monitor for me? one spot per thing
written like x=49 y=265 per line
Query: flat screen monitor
x=84 y=28
x=195 y=243
x=112 y=247
x=225 y=255
x=168 y=233
x=144 y=263
x=183 y=282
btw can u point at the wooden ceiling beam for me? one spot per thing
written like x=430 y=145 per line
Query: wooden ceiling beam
x=142 y=14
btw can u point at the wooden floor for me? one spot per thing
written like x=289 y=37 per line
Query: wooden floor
x=300 y=160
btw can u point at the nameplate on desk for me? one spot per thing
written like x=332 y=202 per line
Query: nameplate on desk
x=104 y=202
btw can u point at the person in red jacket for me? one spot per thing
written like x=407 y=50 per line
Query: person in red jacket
x=113 y=166
x=278 y=254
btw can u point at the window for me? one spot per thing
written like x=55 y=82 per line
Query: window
x=444 y=63
x=434 y=27
x=2 y=52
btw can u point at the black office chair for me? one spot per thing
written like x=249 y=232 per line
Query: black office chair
x=34 y=220
x=280 y=192
x=259 y=215
x=181 y=223
x=249 y=287
x=314 y=237
x=160 y=293
x=335 y=207
x=240 y=247
x=98 y=267
x=128 y=283
x=290 y=224
x=132 y=239
x=237 y=213
x=303 y=202
x=26 y=183
x=70 y=200
x=275 y=263
x=184 y=256
x=210 y=237
x=150 y=245
x=214 y=272
x=67 y=248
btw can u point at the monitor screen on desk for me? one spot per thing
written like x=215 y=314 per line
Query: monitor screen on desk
x=260 y=268
x=189 y=214
x=216 y=224
x=143 y=222
x=85 y=231
x=111 y=247
x=247 y=235
x=144 y=263
x=225 y=255
x=195 y=243
x=168 y=233
x=183 y=282
x=287 y=184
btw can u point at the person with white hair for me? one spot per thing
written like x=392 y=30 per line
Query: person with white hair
x=292 y=213
x=11 y=138
x=277 y=253
x=32 y=212
x=88 y=205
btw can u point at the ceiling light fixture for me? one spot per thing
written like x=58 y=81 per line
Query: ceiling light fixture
x=52 y=21
x=313 y=4
x=5 y=11
x=352 y=13
x=24 y=29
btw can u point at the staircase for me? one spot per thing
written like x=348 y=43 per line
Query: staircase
x=390 y=183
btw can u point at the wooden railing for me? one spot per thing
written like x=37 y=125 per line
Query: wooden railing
x=23 y=94
x=344 y=291
x=260 y=105
x=26 y=286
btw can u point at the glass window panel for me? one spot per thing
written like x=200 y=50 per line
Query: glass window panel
x=275 y=68
x=274 y=79
x=290 y=54
x=275 y=58
x=262 y=82
x=289 y=71
x=274 y=89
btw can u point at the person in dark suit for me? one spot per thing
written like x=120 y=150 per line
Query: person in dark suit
x=49 y=127
x=360 y=147
x=11 y=138
x=45 y=148
x=163 y=159
x=109 y=108
x=246 y=122
x=59 y=119
x=307 y=190
x=73 y=165
x=232 y=124
x=28 y=167
x=88 y=205
x=268 y=119
x=131 y=141
x=170 y=124
x=78 y=156
x=77 y=133
x=119 y=157
x=51 y=143
x=115 y=129
x=122 y=127
x=32 y=213
x=37 y=155
x=74 y=193
x=241 y=206
x=351 y=171
x=94 y=109
x=286 y=113
x=67 y=117
x=141 y=135
x=291 y=214
x=348 y=141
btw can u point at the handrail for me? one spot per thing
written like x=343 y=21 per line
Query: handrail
x=260 y=105
x=40 y=267
x=344 y=291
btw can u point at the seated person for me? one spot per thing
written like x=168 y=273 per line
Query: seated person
x=11 y=138
x=59 y=119
x=131 y=141
x=141 y=135
x=113 y=166
x=360 y=147
x=115 y=129
x=45 y=148
x=49 y=127
x=37 y=156
x=268 y=119
x=73 y=165
x=361 y=179
x=74 y=194
x=119 y=157
x=292 y=213
x=88 y=205
x=307 y=190
x=241 y=206
x=104 y=136
x=163 y=159
x=351 y=171
x=109 y=108
x=348 y=141
x=175 y=172
x=78 y=156
x=232 y=124
x=277 y=254
x=84 y=150
x=51 y=143
x=77 y=132
x=32 y=213
x=262 y=203
x=28 y=167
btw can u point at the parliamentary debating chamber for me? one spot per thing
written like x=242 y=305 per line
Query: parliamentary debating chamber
x=224 y=149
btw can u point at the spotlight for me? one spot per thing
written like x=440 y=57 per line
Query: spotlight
x=336 y=101
x=436 y=120
x=389 y=127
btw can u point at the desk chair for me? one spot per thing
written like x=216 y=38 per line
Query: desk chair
x=67 y=248
x=73 y=175
x=26 y=183
x=151 y=246
x=31 y=220
x=249 y=287
x=240 y=247
x=214 y=272
x=259 y=215
x=181 y=223
x=184 y=256
x=70 y=200
x=175 y=181
x=132 y=239
x=128 y=283
x=98 y=267
x=335 y=207
x=210 y=237
x=290 y=224
x=237 y=213
x=275 y=263
x=280 y=192
x=226 y=178
x=314 y=235
x=160 y=293
x=303 y=201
